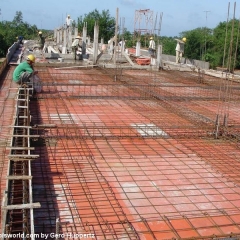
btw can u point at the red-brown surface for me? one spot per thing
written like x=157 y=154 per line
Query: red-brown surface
x=135 y=158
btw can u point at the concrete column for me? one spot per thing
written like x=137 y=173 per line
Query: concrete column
x=64 y=45
x=55 y=34
x=75 y=31
x=58 y=36
x=88 y=41
x=116 y=40
x=110 y=48
x=84 y=39
x=95 y=43
x=102 y=44
x=69 y=40
x=138 y=47
x=153 y=61
x=159 y=56
x=64 y=37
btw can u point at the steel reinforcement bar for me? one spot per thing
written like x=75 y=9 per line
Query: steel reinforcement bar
x=17 y=205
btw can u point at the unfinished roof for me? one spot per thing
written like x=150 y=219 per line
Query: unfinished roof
x=130 y=154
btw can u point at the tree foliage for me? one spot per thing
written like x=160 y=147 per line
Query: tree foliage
x=219 y=46
x=11 y=30
x=105 y=22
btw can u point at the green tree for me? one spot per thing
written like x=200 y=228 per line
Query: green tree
x=18 y=19
x=9 y=32
x=195 y=47
x=104 y=20
x=128 y=37
x=226 y=45
x=168 y=45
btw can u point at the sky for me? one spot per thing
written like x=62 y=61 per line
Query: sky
x=177 y=15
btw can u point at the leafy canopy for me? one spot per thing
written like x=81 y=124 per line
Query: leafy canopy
x=219 y=46
x=105 y=22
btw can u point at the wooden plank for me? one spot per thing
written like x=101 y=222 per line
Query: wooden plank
x=23 y=177
x=21 y=159
x=35 y=136
x=21 y=148
x=20 y=126
x=22 y=206
x=23 y=156
x=23 y=106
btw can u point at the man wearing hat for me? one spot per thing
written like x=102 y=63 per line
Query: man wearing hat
x=68 y=21
x=76 y=45
x=24 y=71
x=42 y=40
x=180 y=49
x=152 y=47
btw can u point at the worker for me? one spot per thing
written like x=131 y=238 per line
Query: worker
x=152 y=47
x=76 y=46
x=20 y=39
x=24 y=71
x=180 y=49
x=42 y=40
x=68 y=21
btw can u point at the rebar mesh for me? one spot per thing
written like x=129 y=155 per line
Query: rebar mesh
x=135 y=156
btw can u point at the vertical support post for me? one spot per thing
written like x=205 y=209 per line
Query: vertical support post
x=138 y=47
x=84 y=38
x=159 y=56
x=60 y=35
x=75 y=31
x=64 y=45
x=69 y=42
x=55 y=34
x=110 y=48
x=57 y=229
x=95 y=43
x=217 y=126
x=116 y=38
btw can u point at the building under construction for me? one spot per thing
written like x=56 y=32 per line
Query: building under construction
x=120 y=151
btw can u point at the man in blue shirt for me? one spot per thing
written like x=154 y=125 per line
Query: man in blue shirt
x=20 y=39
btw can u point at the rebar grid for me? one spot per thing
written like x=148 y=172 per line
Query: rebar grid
x=92 y=200
x=161 y=179
x=123 y=168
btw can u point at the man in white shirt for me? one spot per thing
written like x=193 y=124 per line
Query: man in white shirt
x=152 y=47
x=68 y=21
x=180 y=49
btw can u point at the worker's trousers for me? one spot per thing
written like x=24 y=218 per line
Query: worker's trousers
x=178 y=56
x=24 y=78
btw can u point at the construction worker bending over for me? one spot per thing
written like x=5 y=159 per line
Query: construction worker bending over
x=180 y=49
x=77 y=47
x=24 y=71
